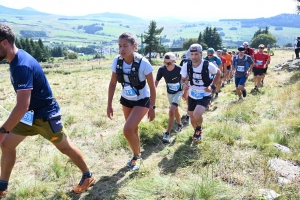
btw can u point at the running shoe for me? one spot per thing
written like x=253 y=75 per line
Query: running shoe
x=135 y=163
x=179 y=128
x=166 y=137
x=84 y=184
x=197 y=134
x=3 y=193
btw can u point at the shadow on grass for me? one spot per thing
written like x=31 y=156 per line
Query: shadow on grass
x=107 y=187
x=185 y=155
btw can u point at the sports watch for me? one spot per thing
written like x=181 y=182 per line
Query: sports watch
x=3 y=130
x=213 y=87
x=153 y=107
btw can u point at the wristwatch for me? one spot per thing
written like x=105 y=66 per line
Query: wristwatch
x=153 y=107
x=213 y=87
x=3 y=130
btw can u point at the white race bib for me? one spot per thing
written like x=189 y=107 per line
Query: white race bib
x=28 y=118
x=174 y=86
x=196 y=93
x=240 y=68
x=130 y=92
x=259 y=62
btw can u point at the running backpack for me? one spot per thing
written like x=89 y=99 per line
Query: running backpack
x=133 y=76
x=204 y=73
x=245 y=59
x=298 y=44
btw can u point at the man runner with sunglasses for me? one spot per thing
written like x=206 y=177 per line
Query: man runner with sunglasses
x=210 y=57
x=171 y=73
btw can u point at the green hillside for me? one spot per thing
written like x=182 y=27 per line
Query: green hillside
x=66 y=30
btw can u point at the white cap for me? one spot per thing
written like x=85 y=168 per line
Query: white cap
x=170 y=55
x=245 y=43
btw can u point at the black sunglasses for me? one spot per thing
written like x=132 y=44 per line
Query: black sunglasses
x=168 y=63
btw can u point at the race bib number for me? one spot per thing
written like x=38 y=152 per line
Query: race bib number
x=174 y=86
x=197 y=93
x=259 y=62
x=129 y=91
x=240 y=68
x=28 y=118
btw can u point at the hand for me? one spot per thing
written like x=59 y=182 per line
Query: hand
x=110 y=112
x=185 y=87
x=185 y=95
x=151 y=114
x=209 y=89
x=247 y=74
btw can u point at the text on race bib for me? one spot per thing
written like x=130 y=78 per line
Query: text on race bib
x=197 y=93
x=28 y=118
x=130 y=92
x=174 y=86
x=240 y=68
x=259 y=62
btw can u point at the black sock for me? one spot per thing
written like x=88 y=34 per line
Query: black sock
x=3 y=185
x=88 y=174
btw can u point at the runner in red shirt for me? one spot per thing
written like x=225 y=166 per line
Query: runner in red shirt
x=261 y=61
x=249 y=51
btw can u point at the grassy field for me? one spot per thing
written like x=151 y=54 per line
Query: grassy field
x=230 y=163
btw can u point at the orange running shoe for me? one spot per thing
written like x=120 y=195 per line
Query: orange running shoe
x=84 y=184
x=3 y=193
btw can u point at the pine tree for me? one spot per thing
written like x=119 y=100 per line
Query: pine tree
x=152 y=39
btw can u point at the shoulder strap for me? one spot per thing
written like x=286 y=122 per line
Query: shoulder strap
x=189 y=67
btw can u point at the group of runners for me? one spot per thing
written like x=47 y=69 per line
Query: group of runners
x=37 y=112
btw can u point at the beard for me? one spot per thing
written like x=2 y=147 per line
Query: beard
x=3 y=54
x=2 y=58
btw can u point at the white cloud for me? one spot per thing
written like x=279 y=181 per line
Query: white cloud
x=153 y=9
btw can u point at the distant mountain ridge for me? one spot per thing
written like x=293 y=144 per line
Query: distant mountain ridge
x=282 y=20
x=24 y=11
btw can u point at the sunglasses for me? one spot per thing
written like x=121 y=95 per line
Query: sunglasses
x=168 y=63
x=209 y=55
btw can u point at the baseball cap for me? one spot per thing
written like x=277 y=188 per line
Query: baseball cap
x=170 y=55
x=241 y=48
x=246 y=43
x=261 y=46
x=195 y=48
x=265 y=51
x=268 y=46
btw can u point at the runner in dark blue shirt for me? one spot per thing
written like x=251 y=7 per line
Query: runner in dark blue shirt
x=36 y=112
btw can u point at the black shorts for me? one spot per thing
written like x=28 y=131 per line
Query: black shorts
x=228 y=67
x=265 y=70
x=202 y=102
x=258 y=71
x=130 y=104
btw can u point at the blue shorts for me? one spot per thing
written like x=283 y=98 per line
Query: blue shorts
x=240 y=81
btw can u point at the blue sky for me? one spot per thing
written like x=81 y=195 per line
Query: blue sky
x=192 y=10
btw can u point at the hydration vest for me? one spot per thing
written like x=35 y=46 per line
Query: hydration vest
x=206 y=79
x=133 y=76
x=298 y=44
x=245 y=59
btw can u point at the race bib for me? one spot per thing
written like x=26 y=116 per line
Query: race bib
x=28 y=118
x=197 y=93
x=174 y=86
x=129 y=91
x=240 y=68
x=259 y=62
